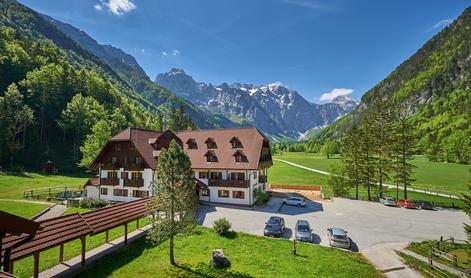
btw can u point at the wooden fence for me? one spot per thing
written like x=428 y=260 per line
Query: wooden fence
x=296 y=187
x=54 y=193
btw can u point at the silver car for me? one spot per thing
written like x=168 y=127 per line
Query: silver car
x=303 y=231
x=388 y=201
x=294 y=201
x=338 y=238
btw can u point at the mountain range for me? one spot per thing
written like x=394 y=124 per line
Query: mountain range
x=273 y=108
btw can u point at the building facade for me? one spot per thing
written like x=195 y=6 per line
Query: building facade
x=229 y=164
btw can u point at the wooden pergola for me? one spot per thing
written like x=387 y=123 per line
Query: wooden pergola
x=22 y=237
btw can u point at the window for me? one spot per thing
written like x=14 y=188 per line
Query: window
x=238 y=194
x=136 y=176
x=104 y=191
x=204 y=192
x=192 y=144
x=238 y=176
x=240 y=156
x=255 y=174
x=211 y=143
x=117 y=146
x=112 y=175
x=203 y=175
x=140 y=193
x=131 y=146
x=124 y=175
x=211 y=156
x=223 y=193
x=235 y=142
x=138 y=160
x=120 y=192
x=216 y=175
x=113 y=160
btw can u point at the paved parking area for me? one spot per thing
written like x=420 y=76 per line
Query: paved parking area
x=367 y=223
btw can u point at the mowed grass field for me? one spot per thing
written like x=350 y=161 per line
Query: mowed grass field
x=251 y=256
x=26 y=210
x=442 y=177
x=12 y=185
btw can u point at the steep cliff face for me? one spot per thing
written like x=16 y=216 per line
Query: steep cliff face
x=273 y=108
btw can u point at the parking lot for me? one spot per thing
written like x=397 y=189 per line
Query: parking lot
x=368 y=224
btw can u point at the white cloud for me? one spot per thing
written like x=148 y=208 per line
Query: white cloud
x=164 y=53
x=335 y=93
x=443 y=23
x=310 y=4
x=117 y=7
x=175 y=52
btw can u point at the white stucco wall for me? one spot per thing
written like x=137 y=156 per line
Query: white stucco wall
x=92 y=192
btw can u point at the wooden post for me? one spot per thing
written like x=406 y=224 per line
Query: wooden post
x=82 y=239
x=126 y=234
x=107 y=236
x=12 y=266
x=36 y=265
x=61 y=253
x=137 y=224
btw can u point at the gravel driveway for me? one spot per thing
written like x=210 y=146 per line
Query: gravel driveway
x=367 y=223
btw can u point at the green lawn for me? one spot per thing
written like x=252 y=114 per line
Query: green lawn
x=72 y=210
x=435 y=176
x=26 y=210
x=251 y=256
x=50 y=258
x=423 y=268
x=282 y=173
x=461 y=250
x=12 y=185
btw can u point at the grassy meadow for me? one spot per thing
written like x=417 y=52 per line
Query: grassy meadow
x=251 y=256
x=26 y=210
x=442 y=177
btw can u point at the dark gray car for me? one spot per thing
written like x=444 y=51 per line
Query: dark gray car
x=303 y=231
x=275 y=227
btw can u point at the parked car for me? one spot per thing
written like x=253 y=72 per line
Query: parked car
x=338 y=238
x=275 y=226
x=410 y=204
x=388 y=201
x=294 y=201
x=303 y=231
x=424 y=205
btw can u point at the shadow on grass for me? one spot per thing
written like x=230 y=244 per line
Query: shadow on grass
x=204 y=270
x=230 y=235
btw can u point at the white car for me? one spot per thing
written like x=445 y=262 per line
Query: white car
x=388 y=201
x=294 y=201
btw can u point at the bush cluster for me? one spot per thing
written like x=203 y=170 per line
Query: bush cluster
x=222 y=226
x=261 y=196
x=92 y=203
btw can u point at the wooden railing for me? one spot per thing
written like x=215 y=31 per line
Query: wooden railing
x=55 y=193
x=296 y=187
x=111 y=166
x=134 y=167
x=134 y=183
x=109 y=181
x=229 y=183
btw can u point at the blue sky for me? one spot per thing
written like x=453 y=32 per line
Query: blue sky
x=311 y=46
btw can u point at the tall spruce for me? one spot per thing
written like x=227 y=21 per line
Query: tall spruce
x=367 y=146
x=174 y=204
x=383 y=137
x=403 y=148
x=351 y=157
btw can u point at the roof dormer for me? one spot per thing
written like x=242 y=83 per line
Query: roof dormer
x=211 y=156
x=235 y=142
x=211 y=143
x=240 y=156
x=192 y=144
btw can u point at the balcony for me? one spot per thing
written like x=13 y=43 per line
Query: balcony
x=134 y=167
x=109 y=181
x=229 y=183
x=111 y=166
x=134 y=183
x=262 y=179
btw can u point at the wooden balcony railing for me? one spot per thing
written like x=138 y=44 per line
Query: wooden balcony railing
x=111 y=166
x=262 y=179
x=107 y=181
x=134 y=183
x=134 y=167
x=229 y=183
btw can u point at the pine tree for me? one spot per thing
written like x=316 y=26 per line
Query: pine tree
x=175 y=203
x=383 y=137
x=351 y=157
x=404 y=146
x=367 y=158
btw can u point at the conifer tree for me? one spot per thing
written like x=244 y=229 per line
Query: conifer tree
x=351 y=157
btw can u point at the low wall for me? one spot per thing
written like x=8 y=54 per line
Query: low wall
x=296 y=187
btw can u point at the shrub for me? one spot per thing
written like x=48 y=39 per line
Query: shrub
x=92 y=203
x=261 y=196
x=222 y=226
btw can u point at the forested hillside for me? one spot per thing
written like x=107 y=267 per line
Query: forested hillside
x=433 y=86
x=53 y=93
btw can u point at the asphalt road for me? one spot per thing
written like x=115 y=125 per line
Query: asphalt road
x=368 y=224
